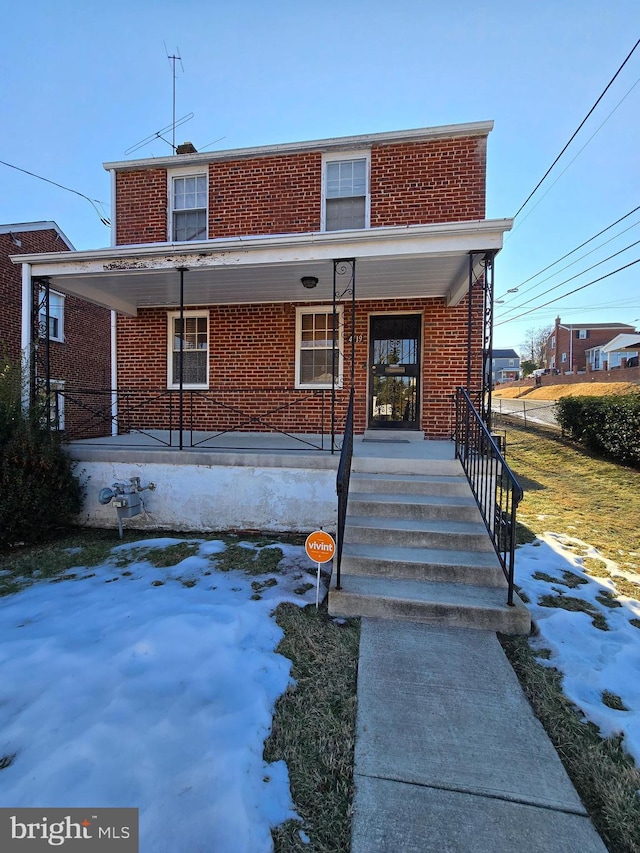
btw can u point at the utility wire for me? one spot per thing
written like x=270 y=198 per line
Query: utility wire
x=567 y=266
x=577 y=248
x=575 y=157
x=578 y=129
x=571 y=292
x=577 y=275
x=92 y=201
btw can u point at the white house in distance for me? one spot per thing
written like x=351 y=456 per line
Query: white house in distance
x=621 y=351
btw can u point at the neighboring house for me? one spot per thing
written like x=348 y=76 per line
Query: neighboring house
x=505 y=365
x=621 y=351
x=571 y=347
x=255 y=287
x=69 y=348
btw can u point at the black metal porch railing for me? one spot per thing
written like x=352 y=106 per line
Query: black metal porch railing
x=192 y=418
x=496 y=490
x=342 y=484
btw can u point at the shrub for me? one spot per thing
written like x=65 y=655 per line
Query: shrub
x=38 y=491
x=609 y=426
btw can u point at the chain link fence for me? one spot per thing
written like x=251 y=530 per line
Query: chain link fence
x=527 y=413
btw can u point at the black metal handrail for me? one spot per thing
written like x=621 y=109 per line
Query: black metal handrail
x=495 y=488
x=342 y=484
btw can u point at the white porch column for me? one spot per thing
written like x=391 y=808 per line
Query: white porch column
x=26 y=334
x=114 y=374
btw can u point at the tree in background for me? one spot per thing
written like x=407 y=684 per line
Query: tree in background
x=532 y=349
x=527 y=366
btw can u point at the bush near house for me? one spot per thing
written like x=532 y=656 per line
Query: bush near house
x=38 y=491
x=609 y=426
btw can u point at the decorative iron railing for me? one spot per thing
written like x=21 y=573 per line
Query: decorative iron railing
x=192 y=418
x=342 y=484
x=496 y=490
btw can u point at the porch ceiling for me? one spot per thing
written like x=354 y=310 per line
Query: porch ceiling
x=417 y=261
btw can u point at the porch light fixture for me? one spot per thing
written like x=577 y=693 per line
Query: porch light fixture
x=309 y=281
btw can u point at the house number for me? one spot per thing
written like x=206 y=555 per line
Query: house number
x=358 y=339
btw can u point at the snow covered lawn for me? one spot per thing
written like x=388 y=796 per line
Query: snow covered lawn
x=131 y=685
x=596 y=647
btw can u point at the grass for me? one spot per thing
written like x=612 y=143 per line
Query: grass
x=570 y=492
x=314 y=728
x=554 y=392
x=604 y=775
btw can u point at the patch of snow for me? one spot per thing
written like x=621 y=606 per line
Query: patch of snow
x=156 y=697
x=591 y=660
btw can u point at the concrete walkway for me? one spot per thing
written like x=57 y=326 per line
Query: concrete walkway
x=449 y=756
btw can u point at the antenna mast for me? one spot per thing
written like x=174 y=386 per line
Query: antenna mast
x=172 y=62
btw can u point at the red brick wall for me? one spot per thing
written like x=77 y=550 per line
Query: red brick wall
x=142 y=204
x=265 y=195
x=252 y=367
x=440 y=180
x=83 y=360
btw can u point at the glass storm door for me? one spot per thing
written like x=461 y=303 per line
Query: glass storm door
x=394 y=359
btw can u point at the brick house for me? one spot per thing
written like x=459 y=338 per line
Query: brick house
x=254 y=287
x=567 y=345
x=77 y=347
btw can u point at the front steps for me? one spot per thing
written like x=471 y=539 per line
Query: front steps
x=415 y=548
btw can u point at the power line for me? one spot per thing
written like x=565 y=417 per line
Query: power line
x=571 y=278
x=573 y=159
x=578 y=129
x=577 y=248
x=570 y=293
x=92 y=201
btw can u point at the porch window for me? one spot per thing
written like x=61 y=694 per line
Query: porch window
x=195 y=339
x=346 y=192
x=315 y=331
x=56 y=316
x=189 y=208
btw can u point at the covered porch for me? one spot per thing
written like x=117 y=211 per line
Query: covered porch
x=410 y=272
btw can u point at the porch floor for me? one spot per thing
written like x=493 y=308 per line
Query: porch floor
x=301 y=449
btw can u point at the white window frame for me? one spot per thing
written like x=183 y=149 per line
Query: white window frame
x=173 y=382
x=564 y=358
x=56 y=310
x=582 y=334
x=553 y=342
x=318 y=309
x=363 y=154
x=185 y=172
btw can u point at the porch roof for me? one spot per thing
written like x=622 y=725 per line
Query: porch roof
x=393 y=262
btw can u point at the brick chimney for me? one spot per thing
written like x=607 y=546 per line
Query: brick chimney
x=186 y=148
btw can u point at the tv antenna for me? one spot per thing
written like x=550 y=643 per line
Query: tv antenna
x=173 y=58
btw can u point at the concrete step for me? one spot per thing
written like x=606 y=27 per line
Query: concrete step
x=444 y=604
x=410 y=484
x=393 y=435
x=392 y=465
x=444 y=507
x=418 y=533
x=480 y=568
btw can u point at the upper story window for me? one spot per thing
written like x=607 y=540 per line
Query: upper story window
x=582 y=334
x=345 y=192
x=56 y=316
x=195 y=350
x=188 y=208
x=553 y=341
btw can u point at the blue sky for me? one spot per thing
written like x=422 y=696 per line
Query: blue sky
x=83 y=82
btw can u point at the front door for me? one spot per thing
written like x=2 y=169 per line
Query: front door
x=394 y=384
